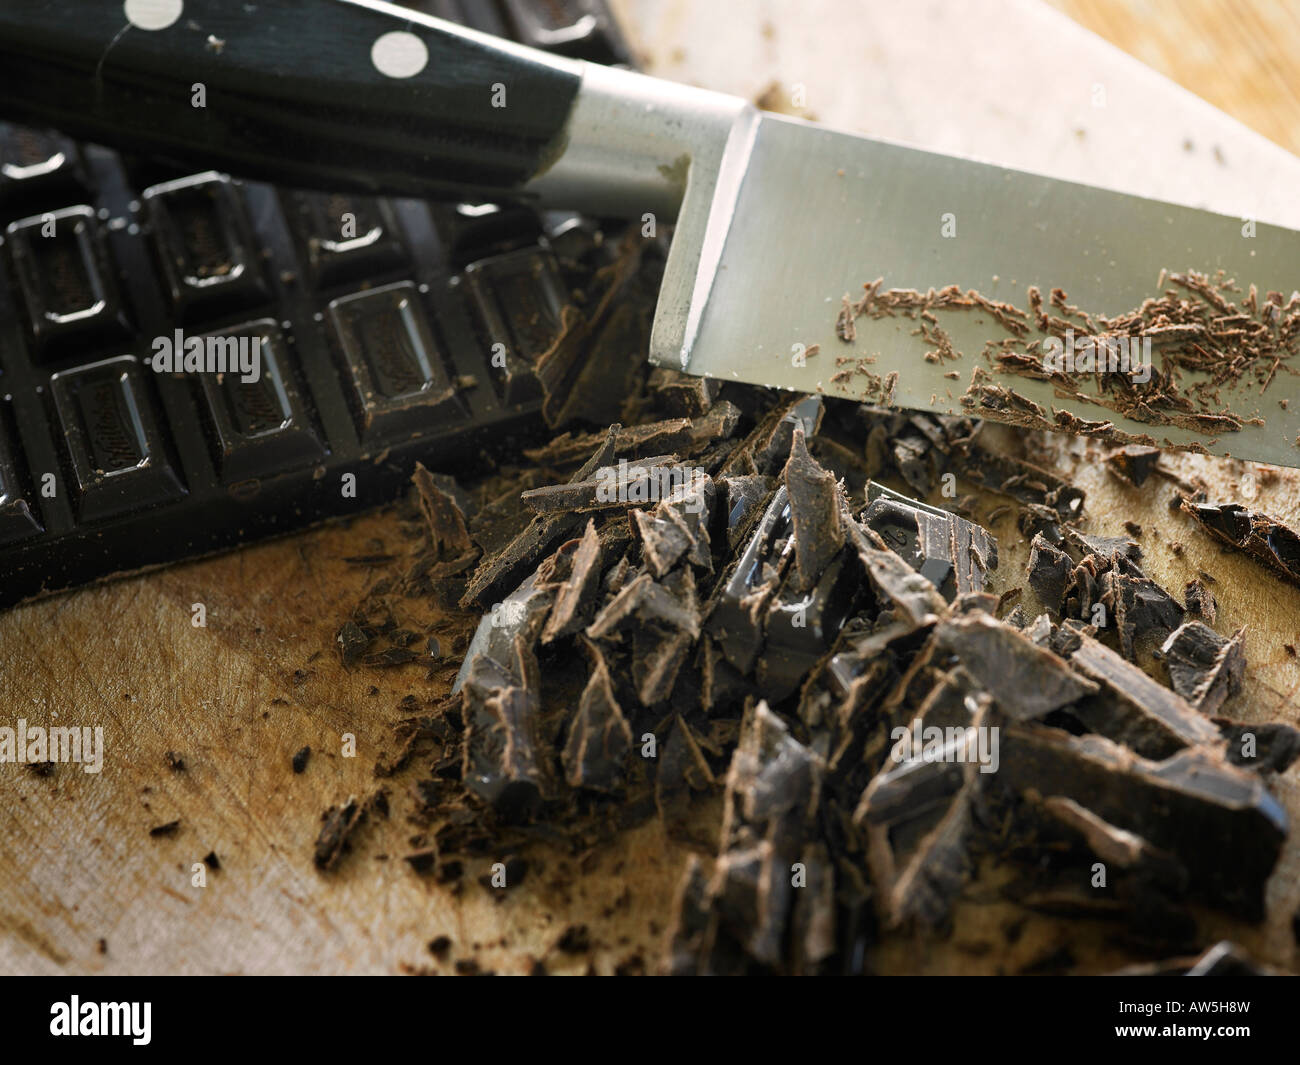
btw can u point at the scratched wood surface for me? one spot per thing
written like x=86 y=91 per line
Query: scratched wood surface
x=236 y=698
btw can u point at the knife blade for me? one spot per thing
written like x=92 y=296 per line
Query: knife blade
x=782 y=227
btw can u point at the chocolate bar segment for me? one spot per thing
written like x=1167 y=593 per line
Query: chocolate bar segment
x=66 y=281
x=398 y=381
x=517 y=298
x=112 y=440
x=343 y=237
x=38 y=168
x=205 y=245
x=259 y=426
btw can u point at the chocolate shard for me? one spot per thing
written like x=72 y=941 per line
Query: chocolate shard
x=1198 y=600
x=1264 y=539
x=813 y=924
x=1204 y=668
x=815 y=513
x=1133 y=463
x=510 y=630
x=511 y=564
x=1267 y=747
x=954 y=554
x=595 y=754
x=918 y=811
x=773 y=786
x=1219 y=821
x=628 y=483
x=1104 y=547
x=801 y=626
x=1141 y=607
x=657 y=657
x=690 y=936
x=685 y=395
x=910 y=595
x=682 y=769
x=1049 y=572
x=1022 y=481
x=500 y=703
x=743 y=496
x=448 y=532
x=766 y=449
x=500 y=762
x=739 y=611
x=339 y=825
x=576 y=596
x=739 y=919
x=1131 y=708
x=1026 y=681
x=671 y=604
x=677 y=528
x=719 y=423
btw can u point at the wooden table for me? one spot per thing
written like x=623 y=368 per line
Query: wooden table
x=85 y=888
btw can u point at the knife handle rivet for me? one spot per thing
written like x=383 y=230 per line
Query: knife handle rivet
x=399 y=54
x=152 y=14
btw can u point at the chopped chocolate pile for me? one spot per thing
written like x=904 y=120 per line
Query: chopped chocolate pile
x=766 y=621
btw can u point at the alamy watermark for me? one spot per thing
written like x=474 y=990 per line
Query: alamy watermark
x=178 y=353
x=930 y=743
x=38 y=745
x=652 y=484
x=1099 y=354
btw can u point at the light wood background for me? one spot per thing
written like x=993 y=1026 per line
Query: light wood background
x=235 y=699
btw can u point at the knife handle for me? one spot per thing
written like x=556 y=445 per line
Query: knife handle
x=348 y=95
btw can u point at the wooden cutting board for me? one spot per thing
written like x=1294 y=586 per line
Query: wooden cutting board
x=85 y=887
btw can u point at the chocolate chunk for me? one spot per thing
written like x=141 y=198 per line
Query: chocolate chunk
x=743 y=496
x=739 y=919
x=300 y=757
x=1026 y=681
x=599 y=735
x=508 y=566
x=448 y=532
x=1198 y=600
x=1264 y=539
x=501 y=746
x=1141 y=607
x=1217 y=820
x=339 y=825
x=1204 y=668
x=353 y=642
x=1271 y=746
x=955 y=555
x=686 y=395
x=802 y=626
x=1104 y=547
x=677 y=528
x=682 y=769
x=739 y=612
x=1132 y=709
x=815 y=513
x=575 y=598
x=1022 y=481
x=1049 y=573
x=918 y=813
x=643 y=599
x=911 y=596
x=1133 y=463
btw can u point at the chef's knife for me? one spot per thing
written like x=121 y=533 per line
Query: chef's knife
x=777 y=220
